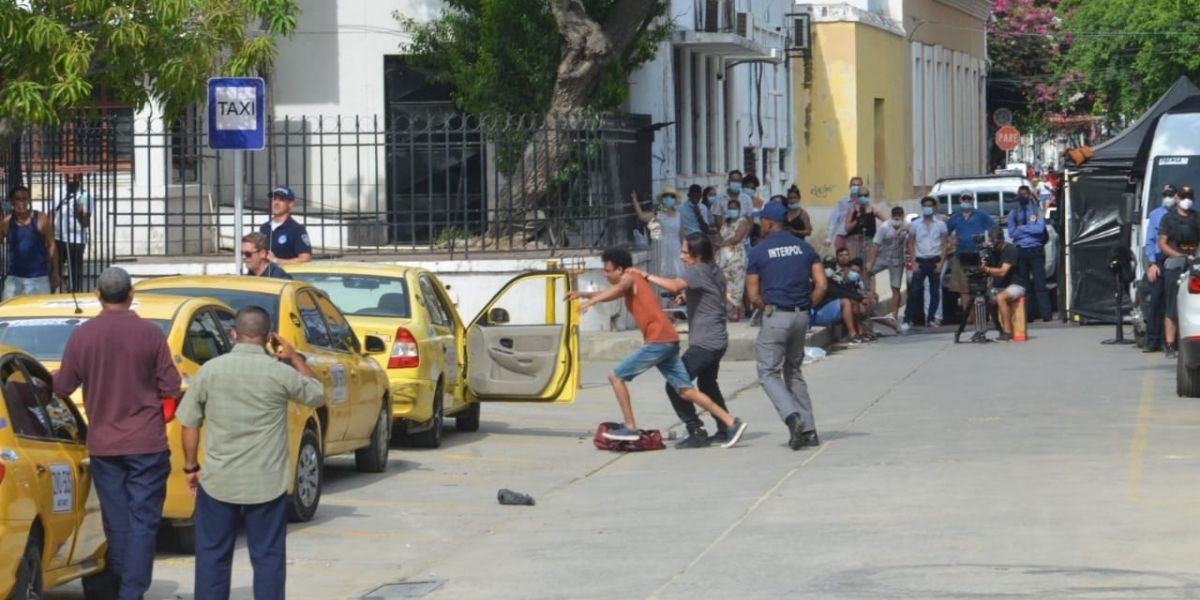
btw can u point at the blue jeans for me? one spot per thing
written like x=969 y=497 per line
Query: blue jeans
x=663 y=356
x=828 y=314
x=132 y=489
x=916 y=291
x=216 y=534
x=25 y=286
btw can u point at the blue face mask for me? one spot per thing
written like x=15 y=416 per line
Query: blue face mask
x=927 y=211
x=668 y=202
x=964 y=207
x=794 y=206
x=854 y=190
x=731 y=213
x=1023 y=200
x=735 y=186
x=854 y=276
x=864 y=200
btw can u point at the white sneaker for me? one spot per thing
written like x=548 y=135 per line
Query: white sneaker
x=904 y=328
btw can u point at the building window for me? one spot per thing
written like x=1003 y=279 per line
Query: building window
x=101 y=135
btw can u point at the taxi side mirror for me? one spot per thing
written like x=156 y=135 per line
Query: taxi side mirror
x=374 y=344
x=497 y=316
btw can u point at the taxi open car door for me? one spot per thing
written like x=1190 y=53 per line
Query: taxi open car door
x=524 y=345
x=50 y=528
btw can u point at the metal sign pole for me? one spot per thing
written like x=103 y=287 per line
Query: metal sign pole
x=238 y=225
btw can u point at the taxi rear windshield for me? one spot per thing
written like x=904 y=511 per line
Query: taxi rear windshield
x=45 y=338
x=236 y=299
x=363 y=295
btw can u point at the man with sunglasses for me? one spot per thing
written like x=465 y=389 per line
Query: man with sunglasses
x=258 y=260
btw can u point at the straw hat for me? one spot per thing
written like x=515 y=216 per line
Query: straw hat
x=669 y=191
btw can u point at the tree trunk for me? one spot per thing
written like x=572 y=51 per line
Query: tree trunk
x=588 y=49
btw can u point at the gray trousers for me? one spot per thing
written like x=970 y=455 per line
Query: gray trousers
x=780 y=354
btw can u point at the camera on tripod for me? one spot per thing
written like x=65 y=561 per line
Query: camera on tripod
x=973 y=263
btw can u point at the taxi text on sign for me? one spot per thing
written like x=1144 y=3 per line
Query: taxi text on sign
x=236 y=113
x=1008 y=138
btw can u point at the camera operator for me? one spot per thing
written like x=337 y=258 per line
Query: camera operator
x=1178 y=237
x=1001 y=265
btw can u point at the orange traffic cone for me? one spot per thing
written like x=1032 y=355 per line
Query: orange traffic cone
x=1018 y=321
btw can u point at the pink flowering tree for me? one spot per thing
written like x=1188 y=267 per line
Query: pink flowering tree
x=1024 y=45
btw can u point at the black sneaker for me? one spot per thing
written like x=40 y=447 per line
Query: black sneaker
x=1152 y=348
x=695 y=439
x=1003 y=337
x=720 y=437
x=809 y=439
x=796 y=441
x=1171 y=352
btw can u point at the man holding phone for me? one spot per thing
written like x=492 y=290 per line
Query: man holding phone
x=242 y=399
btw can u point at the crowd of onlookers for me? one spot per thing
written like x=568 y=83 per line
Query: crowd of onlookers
x=920 y=254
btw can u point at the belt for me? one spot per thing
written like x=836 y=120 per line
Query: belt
x=790 y=308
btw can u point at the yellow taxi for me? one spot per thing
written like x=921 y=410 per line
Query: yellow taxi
x=50 y=528
x=196 y=331
x=523 y=346
x=357 y=416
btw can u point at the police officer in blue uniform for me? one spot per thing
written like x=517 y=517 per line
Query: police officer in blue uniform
x=784 y=279
x=288 y=240
x=1027 y=229
x=1156 y=298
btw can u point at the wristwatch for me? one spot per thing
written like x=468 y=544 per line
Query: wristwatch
x=190 y=470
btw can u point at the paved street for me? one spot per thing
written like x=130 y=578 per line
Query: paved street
x=1058 y=468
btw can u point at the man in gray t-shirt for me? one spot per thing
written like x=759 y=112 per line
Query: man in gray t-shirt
x=703 y=284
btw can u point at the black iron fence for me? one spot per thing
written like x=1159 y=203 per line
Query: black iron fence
x=423 y=181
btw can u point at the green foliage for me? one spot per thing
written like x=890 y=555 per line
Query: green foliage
x=503 y=55
x=1124 y=54
x=56 y=55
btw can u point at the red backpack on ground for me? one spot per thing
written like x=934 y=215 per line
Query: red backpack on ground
x=651 y=439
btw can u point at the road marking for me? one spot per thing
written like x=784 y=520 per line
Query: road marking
x=1137 y=446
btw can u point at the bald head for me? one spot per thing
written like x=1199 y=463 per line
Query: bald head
x=252 y=326
x=114 y=286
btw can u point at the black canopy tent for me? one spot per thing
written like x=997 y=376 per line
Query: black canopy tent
x=1095 y=208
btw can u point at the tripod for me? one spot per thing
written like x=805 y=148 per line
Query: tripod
x=979 y=305
x=1120 y=265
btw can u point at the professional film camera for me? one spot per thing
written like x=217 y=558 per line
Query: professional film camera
x=977 y=286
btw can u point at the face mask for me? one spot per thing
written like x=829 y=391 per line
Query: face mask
x=731 y=214
x=864 y=200
x=750 y=190
x=735 y=186
x=897 y=222
x=854 y=276
x=927 y=211
x=668 y=202
x=1169 y=201
x=712 y=197
x=854 y=190
x=1186 y=204
x=793 y=206
x=1023 y=200
x=965 y=207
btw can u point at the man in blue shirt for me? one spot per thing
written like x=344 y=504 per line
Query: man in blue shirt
x=693 y=215
x=1027 y=229
x=784 y=279
x=288 y=239
x=963 y=226
x=1156 y=299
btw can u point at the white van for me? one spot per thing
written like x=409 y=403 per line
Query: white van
x=995 y=195
x=1174 y=159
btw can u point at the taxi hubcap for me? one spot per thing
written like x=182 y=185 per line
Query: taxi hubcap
x=307 y=475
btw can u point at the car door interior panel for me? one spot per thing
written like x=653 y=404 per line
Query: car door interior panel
x=515 y=360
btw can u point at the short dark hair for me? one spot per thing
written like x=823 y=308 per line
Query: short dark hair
x=841 y=250
x=700 y=247
x=735 y=172
x=929 y=199
x=252 y=322
x=619 y=257
x=19 y=188
x=780 y=198
x=897 y=211
x=695 y=189
x=114 y=286
x=733 y=201
x=996 y=234
x=257 y=238
x=1024 y=188
x=855 y=177
x=794 y=189
x=856 y=262
x=750 y=180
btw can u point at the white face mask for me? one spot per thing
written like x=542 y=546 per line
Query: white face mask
x=897 y=222
x=1186 y=204
x=1169 y=201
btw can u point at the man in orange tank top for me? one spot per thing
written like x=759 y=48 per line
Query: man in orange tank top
x=660 y=349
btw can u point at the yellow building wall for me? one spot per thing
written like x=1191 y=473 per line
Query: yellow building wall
x=851 y=67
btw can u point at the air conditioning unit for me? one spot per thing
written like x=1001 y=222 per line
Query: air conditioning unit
x=712 y=16
x=800 y=39
x=745 y=25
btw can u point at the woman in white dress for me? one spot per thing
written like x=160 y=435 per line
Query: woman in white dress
x=666 y=235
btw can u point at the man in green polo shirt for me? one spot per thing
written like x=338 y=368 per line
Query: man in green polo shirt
x=241 y=399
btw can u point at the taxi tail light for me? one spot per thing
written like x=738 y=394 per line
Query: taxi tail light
x=1 y=472
x=1194 y=283
x=405 y=354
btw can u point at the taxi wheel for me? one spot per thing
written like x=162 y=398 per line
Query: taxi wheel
x=29 y=572
x=1187 y=381
x=468 y=420
x=306 y=492
x=432 y=437
x=374 y=458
